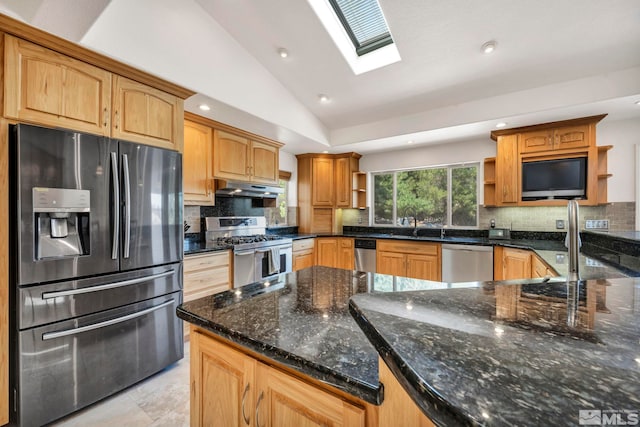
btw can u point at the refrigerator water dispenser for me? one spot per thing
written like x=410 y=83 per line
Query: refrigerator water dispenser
x=62 y=222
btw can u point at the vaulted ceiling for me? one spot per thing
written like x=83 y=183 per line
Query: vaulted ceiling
x=555 y=59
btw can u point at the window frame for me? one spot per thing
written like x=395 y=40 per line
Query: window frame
x=450 y=167
x=375 y=43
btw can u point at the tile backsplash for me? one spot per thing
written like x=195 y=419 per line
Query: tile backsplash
x=230 y=206
x=621 y=216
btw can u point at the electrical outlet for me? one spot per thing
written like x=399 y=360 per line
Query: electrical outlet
x=597 y=224
x=559 y=224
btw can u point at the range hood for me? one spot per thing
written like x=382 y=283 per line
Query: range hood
x=247 y=189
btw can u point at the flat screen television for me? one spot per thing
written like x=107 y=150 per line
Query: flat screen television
x=554 y=179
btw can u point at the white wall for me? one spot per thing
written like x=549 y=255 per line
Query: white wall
x=289 y=163
x=622 y=134
x=431 y=155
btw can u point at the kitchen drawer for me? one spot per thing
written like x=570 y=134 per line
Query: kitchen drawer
x=423 y=248
x=211 y=260
x=303 y=245
x=346 y=243
x=199 y=284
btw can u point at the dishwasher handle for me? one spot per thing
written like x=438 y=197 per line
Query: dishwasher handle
x=469 y=248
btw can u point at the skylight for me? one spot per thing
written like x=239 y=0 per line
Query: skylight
x=360 y=32
x=364 y=23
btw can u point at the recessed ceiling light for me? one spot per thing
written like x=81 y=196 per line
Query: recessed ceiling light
x=204 y=107
x=323 y=98
x=501 y=124
x=284 y=53
x=489 y=46
x=637 y=102
x=325 y=152
x=410 y=141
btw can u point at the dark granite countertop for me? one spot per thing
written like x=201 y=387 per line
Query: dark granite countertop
x=192 y=247
x=502 y=354
x=302 y=321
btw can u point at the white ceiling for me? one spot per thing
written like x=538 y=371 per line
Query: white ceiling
x=555 y=59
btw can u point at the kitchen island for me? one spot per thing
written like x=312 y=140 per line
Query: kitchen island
x=467 y=353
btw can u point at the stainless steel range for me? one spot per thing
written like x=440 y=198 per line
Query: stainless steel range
x=256 y=256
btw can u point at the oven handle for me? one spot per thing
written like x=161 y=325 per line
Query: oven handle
x=59 y=334
x=49 y=295
x=244 y=253
x=264 y=251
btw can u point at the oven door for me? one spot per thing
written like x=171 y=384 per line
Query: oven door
x=264 y=267
x=244 y=267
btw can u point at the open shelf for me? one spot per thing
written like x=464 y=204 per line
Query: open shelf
x=359 y=198
x=490 y=181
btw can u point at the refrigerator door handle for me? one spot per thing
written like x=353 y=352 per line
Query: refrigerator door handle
x=127 y=205
x=115 y=238
x=66 y=332
x=68 y=292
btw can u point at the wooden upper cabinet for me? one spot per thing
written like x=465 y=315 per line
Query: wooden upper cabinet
x=343 y=182
x=507 y=170
x=231 y=156
x=562 y=138
x=45 y=87
x=197 y=161
x=264 y=163
x=535 y=141
x=572 y=137
x=239 y=158
x=146 y=115
x=322 y=181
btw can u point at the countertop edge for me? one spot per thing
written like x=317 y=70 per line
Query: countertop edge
x=434 y=406
x=348 y=385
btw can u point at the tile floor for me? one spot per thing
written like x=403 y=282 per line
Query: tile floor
x=159 y=401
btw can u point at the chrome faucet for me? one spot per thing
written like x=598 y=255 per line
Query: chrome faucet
x=442 y=232
x=573 y=242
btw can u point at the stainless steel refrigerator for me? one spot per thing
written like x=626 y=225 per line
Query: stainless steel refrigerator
x=96 y=238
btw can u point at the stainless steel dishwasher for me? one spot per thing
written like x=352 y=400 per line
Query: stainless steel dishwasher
x=365 y=255
x=466 y=263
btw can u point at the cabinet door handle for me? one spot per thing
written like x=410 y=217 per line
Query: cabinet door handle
x=258 y=408
x=105 y=115
x=244 y=397
x=117 y=119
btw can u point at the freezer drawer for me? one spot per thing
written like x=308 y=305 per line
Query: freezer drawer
x=70 y=364
x=53 y=302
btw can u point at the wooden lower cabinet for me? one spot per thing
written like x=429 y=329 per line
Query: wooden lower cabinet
x=398 y=409
x=303 y=254
x=231 y=388
x=511 y=264
x=418 y=260
x=286 y=401
x=335 y=252
x=222 y=384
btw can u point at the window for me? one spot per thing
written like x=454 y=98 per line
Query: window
x=277 y=215
x=430 y=197
x=364 y=23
